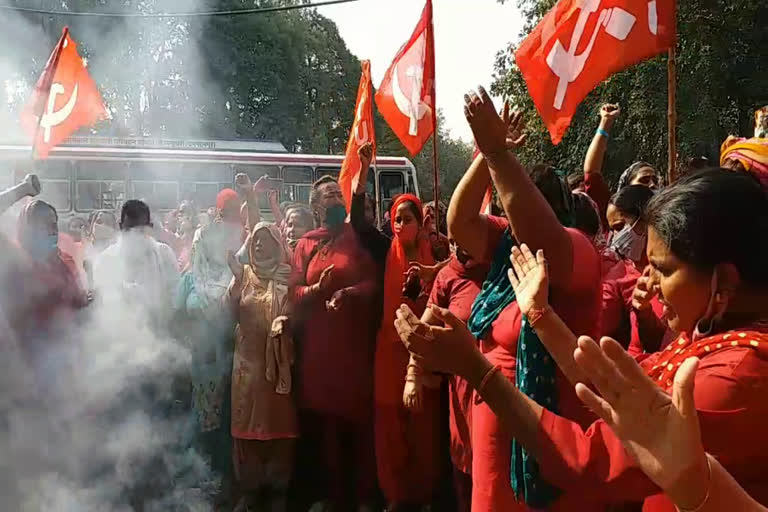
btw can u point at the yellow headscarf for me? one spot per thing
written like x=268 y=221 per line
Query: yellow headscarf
x=751 y=153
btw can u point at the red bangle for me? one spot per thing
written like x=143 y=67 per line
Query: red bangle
x=537 y=314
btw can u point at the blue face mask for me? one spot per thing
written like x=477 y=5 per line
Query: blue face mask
x=335 y=216
x=41 y=247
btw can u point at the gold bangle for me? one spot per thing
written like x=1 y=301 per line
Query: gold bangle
x=709 y=490
x=487 y=377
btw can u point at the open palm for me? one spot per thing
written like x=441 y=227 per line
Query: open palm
x=661 y=432
x=529 y=278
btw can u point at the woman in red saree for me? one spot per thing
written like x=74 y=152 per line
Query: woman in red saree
x=333 y=289
x=41 y=289
x=407 y=451
x=707 y=245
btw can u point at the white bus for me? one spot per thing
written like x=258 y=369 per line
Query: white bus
x=94 y=173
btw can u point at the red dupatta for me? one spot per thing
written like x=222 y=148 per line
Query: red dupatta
x=396 y=267
x=672 y=357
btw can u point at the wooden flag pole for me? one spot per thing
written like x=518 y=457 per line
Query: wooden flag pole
x=672 y=114
x=435 y=154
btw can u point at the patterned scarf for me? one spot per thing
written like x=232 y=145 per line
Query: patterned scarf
x=672 y=357
x=535 y=370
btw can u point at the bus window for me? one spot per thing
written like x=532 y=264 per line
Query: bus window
x=297 y=175
x=333 y=172
x=159 y=195
x=56 y=193
x=149 y=171
x=99 y=195
x=207 y=172
x=109 y=170
x=296 y=193
x=54 y=177
x=52 y=169
x=256 y=171
x=391 y=184
x=205 y=195
x=370 y=185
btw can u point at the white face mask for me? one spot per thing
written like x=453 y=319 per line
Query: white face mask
x=629 y=244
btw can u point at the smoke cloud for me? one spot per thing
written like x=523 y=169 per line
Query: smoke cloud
x=94 y=414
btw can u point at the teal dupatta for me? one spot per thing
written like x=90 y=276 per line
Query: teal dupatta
x=535 y=370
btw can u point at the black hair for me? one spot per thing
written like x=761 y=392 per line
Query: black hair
x=134 y=213
x=414 y=209
x=38 y=207
x=303 y=212
x=631 y=173
x=554 y=190
x=314 y=198
x=632 y=200
x=585 y=217
x=575 y=180
x=715 y=216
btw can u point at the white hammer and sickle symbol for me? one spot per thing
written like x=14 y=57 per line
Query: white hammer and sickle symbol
x=412 y=107
x=53 y=117
x=566 y=64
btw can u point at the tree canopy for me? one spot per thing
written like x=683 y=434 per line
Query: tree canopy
x=721 y=68
x=285 y=76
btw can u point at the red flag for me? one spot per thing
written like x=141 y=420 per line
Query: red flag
x=65 y=98
x=406 y=96
x=362 y=132
x=580 y=43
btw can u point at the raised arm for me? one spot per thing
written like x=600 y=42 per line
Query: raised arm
x=593 y=163
x=29 y=187
x=249 y=193
x=465 y=222
x=531 y=218
x=594 y=183
x=274 y=206
x=357 y=206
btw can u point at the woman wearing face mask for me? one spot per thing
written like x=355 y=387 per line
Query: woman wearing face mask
x=707 y=246
x=41 y=287
x=264 y=424
x=333 y=290
x=623 y=266
x=206 y=325
x=404 y=436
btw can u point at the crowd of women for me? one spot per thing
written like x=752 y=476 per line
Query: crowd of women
x=337 y=366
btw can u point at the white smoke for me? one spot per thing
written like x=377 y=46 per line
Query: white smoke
x=94 y=417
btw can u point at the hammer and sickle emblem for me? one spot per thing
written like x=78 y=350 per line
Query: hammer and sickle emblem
x=566 y=64
x=53 y=117
x=412 y=107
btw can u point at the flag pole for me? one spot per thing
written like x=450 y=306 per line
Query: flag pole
x=435 y=154
x=46 y=82
x=672 y=113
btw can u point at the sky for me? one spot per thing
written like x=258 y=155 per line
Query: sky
x=468 y=35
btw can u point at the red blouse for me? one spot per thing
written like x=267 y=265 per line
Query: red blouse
x=456 y=287
x=731 y=385
x=578 y=303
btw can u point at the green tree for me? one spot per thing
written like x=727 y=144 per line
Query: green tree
x=721 y=66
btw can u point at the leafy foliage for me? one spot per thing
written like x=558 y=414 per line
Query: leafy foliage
x=284 y=76
x=722 y=79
